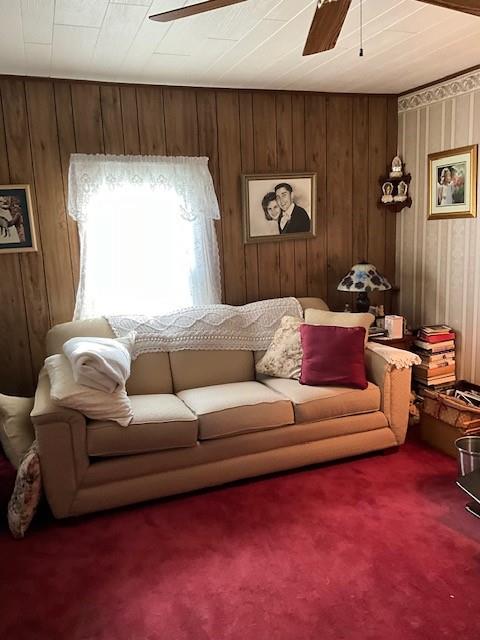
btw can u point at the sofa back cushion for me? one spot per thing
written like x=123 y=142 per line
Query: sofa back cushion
x=313 y=303
x=150 y=372
x=325 y=318
x=192 y=369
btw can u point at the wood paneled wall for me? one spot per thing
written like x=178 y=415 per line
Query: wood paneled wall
x=348 y=140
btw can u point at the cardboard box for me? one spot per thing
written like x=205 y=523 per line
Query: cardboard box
x=438 y=434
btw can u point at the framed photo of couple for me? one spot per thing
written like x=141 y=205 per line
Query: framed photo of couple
x=452 y=183
x=279 y=206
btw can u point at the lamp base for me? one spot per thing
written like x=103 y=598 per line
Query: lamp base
x=362 y=302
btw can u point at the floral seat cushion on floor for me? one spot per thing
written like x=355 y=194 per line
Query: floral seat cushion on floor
x=26 y=494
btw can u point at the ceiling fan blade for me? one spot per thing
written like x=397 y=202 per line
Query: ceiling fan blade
x=465 y=6
x=193 y=10
x=326 y=26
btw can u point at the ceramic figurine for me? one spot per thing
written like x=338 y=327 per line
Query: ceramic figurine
x=387 y=189
x=397 y=168
x=402 y=192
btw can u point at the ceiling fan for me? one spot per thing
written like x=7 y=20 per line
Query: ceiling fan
x=327 y=21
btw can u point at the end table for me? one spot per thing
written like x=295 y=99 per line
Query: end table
x=405 y=343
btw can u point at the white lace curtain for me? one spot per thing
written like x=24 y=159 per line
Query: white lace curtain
x=147 y=236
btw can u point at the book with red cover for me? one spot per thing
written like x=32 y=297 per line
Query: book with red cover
x=431 y=347
x=438 y=337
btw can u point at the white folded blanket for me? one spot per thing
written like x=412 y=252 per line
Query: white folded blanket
x=100 y=363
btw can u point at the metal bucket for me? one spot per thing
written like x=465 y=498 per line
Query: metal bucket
x=468 y=454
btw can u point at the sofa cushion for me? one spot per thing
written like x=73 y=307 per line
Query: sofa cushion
x=339 y=319
x=240 y=407
x=160 y=421
x=193 y=369
x=323 y=403
x=150 y=373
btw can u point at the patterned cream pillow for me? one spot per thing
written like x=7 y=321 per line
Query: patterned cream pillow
x=283 y=358
x=26 y=494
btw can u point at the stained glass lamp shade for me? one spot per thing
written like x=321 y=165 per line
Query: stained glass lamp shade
x=363 y=278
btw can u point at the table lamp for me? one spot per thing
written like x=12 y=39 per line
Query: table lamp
x=363 y=278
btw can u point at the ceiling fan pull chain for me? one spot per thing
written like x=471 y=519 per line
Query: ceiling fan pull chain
x=361 y=29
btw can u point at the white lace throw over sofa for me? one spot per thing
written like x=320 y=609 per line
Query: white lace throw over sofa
x=201 y=418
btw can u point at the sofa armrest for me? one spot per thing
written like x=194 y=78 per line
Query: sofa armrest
x=62 y=443
x=395 y=385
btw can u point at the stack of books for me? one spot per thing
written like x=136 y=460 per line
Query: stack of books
x=435 y=344
x=377 y=332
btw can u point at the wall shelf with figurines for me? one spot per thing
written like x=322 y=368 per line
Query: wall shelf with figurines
x=395 y=186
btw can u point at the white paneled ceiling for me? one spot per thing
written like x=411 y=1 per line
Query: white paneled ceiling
x=257 y=44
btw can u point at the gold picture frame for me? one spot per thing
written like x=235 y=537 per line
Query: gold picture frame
x=279 y=206
x=17 y=226
x=453 y=183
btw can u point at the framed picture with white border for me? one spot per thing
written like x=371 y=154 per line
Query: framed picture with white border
x=452 y=183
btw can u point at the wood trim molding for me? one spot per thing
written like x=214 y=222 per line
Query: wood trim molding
x=247 y=91
x=442 y=90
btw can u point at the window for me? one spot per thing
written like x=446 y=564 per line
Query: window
x=147 y=235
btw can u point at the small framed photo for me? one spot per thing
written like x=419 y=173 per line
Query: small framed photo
x=452 y=183
x=279 y=206
x=17 y=229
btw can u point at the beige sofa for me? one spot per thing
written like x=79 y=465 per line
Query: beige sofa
x=202 y=419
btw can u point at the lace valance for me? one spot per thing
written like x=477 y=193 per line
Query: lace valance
x=189 y=178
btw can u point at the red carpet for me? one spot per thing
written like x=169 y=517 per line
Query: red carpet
x=368 y=549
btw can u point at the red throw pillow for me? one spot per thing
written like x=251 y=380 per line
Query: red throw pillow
x=333 y=356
